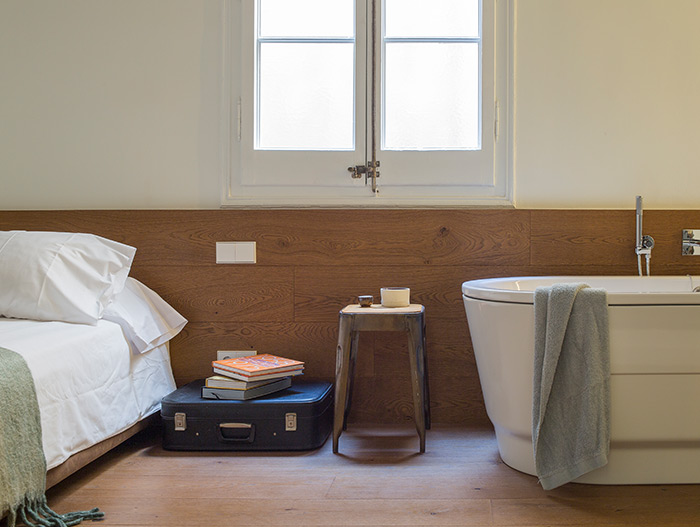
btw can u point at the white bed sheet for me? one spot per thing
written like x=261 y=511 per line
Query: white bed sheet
x=89 y=385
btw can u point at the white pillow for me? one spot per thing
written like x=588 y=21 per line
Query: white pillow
x=70 y=277
x=147 y=320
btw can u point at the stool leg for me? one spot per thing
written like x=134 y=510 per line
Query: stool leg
x=342 y=366
x=425 y=369
x=355 y=340
x=415 y=353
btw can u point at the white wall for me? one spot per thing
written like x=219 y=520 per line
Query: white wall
x=115 y=103
x=109 y=104
x=608 y=103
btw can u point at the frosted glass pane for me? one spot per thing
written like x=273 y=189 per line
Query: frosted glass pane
x=437 y=18
x=431 y=96
x=307 y=18
x=306 y=96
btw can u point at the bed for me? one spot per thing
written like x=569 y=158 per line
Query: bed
x=95 y=341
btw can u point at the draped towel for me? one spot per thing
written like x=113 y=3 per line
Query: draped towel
x=571 y=385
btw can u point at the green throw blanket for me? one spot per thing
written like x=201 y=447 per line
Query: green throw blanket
x=22 y=462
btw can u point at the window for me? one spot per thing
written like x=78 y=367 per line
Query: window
x=325 y=92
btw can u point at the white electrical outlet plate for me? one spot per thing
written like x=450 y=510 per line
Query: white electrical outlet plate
x=234 y=354
x=235 y=252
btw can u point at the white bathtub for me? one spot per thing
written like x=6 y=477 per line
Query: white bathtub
x=655 y=372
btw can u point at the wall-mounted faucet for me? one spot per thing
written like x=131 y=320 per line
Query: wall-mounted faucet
x=644 y=243
x=691 y=242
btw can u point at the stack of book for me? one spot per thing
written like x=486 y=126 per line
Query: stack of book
x=249 y=377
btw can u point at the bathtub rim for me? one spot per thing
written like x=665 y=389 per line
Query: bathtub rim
x=650 y=290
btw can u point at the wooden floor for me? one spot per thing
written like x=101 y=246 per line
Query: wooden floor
x=377 y=479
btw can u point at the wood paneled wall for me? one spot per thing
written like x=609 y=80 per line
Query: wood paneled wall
x=310 y=263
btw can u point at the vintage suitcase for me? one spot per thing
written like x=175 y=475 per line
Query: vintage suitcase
x=297 y=418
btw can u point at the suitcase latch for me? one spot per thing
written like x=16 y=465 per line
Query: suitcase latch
x=290 y=422
x=180 y=421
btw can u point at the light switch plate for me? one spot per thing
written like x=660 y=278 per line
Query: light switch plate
x=245 y=252
x=235 y=252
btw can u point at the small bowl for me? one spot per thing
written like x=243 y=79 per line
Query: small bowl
x=365 y=300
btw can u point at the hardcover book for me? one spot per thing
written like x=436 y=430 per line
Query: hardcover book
x=248 y=378
x=251 y=393
x=257 y=365
x=228 y=383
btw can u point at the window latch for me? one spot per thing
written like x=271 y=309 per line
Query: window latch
x=358 y=171
x=368 y=171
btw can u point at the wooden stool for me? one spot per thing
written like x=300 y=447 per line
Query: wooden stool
x=352 y=320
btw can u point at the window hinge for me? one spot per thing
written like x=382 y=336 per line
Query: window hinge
x=238 y=120
x=496 y=120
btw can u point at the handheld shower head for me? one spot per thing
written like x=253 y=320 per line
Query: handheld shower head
x=638 y=237
x=644 y=244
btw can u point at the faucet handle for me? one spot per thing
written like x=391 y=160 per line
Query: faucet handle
x=645 y=247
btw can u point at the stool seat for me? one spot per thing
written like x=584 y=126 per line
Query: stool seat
x=355 y=318
x=357 y=309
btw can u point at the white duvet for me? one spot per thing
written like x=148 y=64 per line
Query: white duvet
x=90 y=386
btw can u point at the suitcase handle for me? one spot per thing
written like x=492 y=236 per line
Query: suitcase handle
x=236 y=432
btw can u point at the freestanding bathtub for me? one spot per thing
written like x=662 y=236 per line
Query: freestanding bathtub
x=655 y=372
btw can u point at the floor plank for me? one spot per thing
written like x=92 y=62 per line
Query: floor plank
x=378 y=479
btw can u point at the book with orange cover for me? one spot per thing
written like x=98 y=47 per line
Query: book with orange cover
x=258 y=365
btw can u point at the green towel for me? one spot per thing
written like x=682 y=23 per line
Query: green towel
x=571 y=385
x=22 y=461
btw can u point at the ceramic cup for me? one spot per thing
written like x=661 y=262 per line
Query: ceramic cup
x=396 y=296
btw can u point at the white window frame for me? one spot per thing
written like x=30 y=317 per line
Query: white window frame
x=287 y=179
